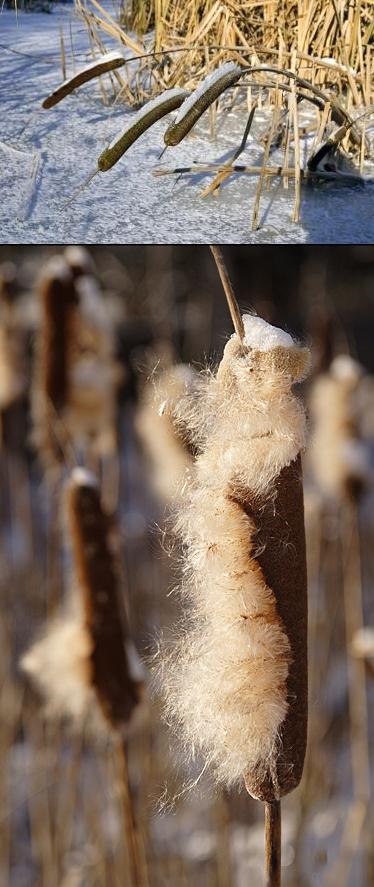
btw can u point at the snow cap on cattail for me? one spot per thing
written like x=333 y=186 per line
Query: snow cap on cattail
x=236 y=683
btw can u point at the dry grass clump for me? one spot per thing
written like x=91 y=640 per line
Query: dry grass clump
x=331 y=42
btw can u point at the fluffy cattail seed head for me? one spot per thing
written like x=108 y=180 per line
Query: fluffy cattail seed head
x=236 y=683
x=339 y=456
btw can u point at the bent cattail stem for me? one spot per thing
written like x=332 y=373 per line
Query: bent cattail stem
x=108 y=62
x=200 y=100
x=152 y=111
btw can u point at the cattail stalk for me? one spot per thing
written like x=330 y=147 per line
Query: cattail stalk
x=272 y=843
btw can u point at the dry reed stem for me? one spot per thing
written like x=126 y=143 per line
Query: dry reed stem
x=234 y=309
x=137 y=861
x=273 y=843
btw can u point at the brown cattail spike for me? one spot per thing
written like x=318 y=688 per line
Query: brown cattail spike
x=58 y=298
x=117 y=692
x=280 y=540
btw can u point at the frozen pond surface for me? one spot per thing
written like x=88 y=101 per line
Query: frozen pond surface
x=128 y=204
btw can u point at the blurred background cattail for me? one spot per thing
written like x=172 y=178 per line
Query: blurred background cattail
x=142 y=323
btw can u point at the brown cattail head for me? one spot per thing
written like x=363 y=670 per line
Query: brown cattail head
x=53 y=357
x=280 y=542
x=58 y=299
x=117 y=692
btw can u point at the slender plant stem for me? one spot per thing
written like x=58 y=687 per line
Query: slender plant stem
x=131 y=830
x=229 y=292
x=272 y=843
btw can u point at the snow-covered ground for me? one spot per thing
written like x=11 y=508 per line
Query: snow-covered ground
x=41 y=167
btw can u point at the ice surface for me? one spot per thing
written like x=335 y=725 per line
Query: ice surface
x=128 y=204
x=262 y=336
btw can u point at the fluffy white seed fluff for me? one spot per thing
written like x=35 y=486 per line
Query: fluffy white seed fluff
x=156 y=424
x=225 y=678
x=339 y=456
x=58 y=664
x=362 y=644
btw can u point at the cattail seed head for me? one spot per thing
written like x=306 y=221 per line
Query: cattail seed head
x=54 y=354
x=339 y=456
x=236 y=682
x=117 y=692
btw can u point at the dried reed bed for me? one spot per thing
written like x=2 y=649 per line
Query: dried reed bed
x=331 y=39
x=62 y=815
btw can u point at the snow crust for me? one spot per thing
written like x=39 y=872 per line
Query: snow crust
x=262 y=336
